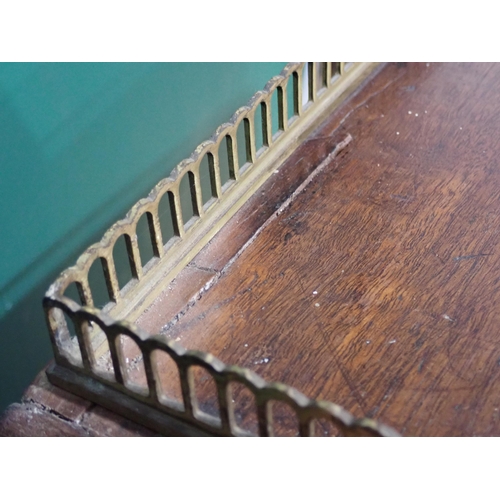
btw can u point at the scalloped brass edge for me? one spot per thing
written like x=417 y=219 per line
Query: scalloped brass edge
x=306 y=409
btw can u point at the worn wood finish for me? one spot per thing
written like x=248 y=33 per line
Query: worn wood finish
x=47 y=411
x=378 y=287
x=239 y=230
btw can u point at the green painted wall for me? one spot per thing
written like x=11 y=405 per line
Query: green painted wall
x=79 y=144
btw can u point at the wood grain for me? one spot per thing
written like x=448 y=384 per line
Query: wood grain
x=378 y=288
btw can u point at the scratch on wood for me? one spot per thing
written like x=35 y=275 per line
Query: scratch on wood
x=467 y=257
x=201 y=268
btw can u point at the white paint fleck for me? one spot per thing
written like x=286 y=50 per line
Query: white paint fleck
x=315 y=292
x=368 y=341
x=316 y=305
x=397 y=133
x=460 y=128
x=416 y=114
x=447 y=318
x=262 y=361
x=409 y=112
x=126 y=360
x=276 y=171
x=246 y=345
x=392 y=341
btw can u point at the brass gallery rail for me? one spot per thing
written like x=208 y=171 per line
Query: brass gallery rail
x=100 y=332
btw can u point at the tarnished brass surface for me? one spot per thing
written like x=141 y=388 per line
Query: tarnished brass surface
x=97 y=330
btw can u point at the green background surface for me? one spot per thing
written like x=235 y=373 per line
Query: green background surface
x=79 y=145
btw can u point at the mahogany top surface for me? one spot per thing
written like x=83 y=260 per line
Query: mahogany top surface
x=378 y=288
